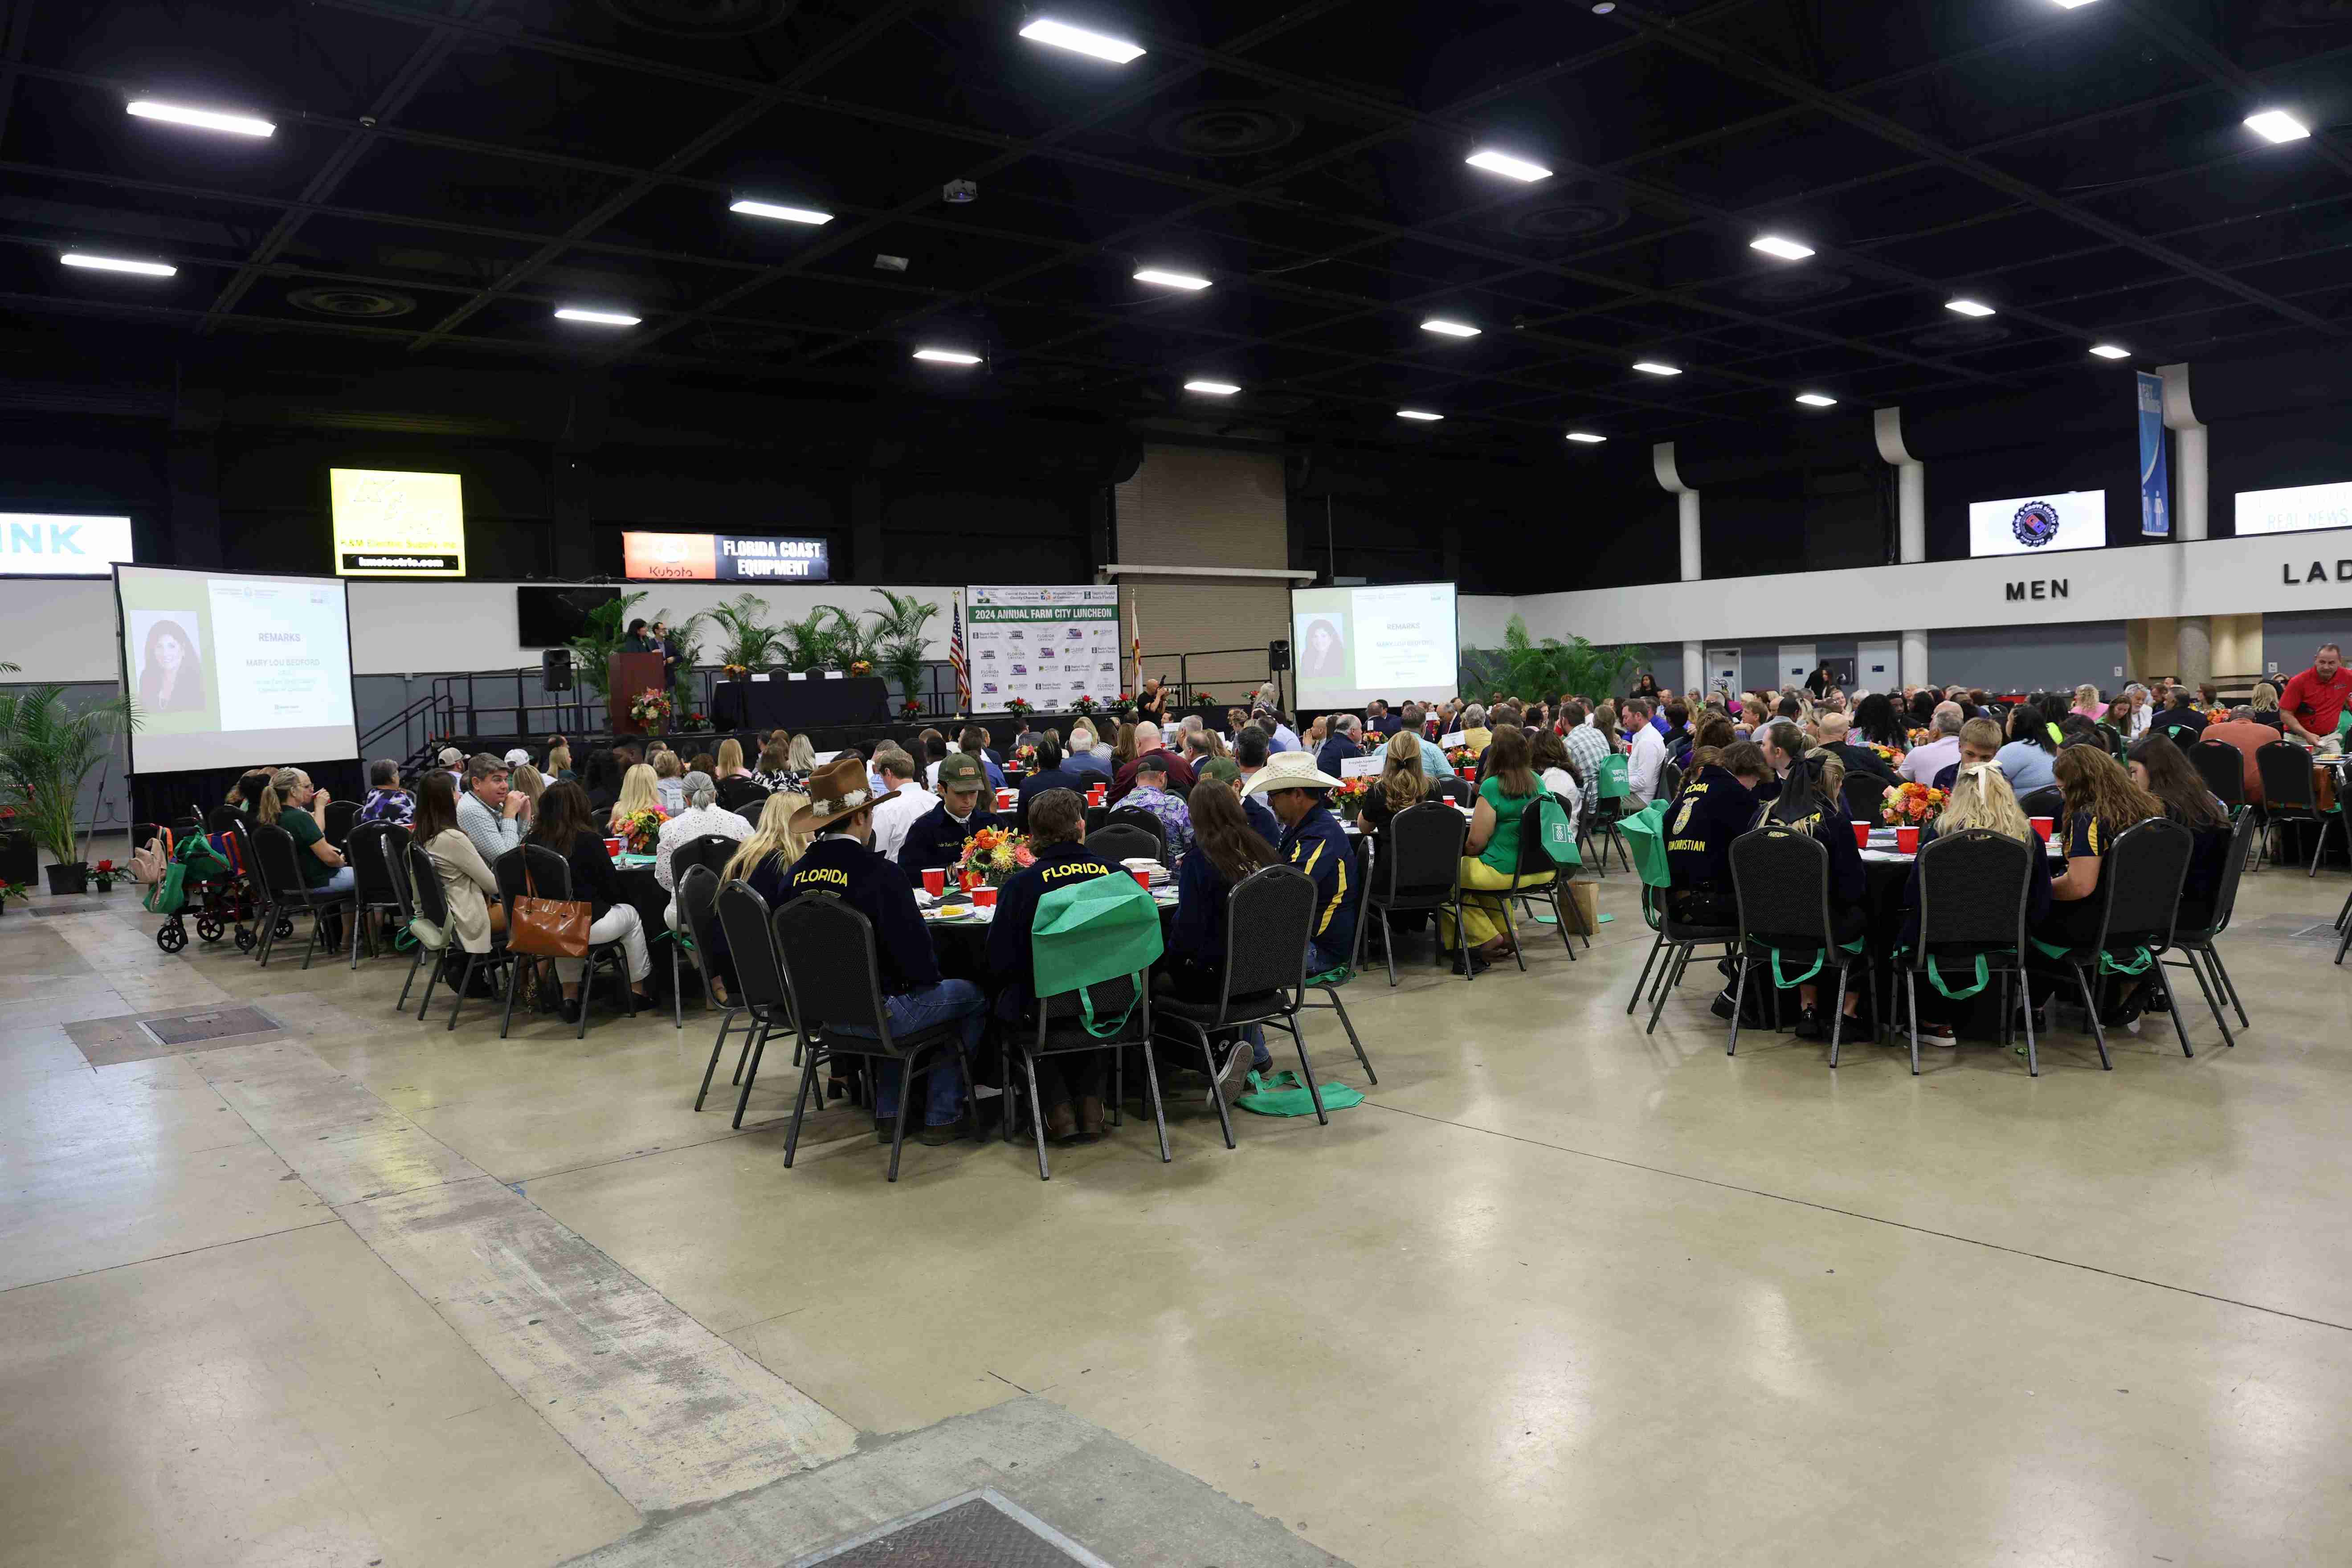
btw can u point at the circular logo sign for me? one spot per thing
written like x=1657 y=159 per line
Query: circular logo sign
x=2035 y=524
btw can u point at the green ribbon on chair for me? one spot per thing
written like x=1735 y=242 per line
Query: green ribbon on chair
x=1984 y=978
x=1819 y=959
x=2108 y=964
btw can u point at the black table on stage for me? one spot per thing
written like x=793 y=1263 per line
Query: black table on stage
x=798 y=705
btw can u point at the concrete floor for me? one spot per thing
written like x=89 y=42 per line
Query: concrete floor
x=363 y=1292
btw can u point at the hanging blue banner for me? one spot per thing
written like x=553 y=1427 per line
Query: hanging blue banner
x=2155 y=464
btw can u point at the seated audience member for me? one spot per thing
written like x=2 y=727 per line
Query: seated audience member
x=729 y=765
x=1344 y=739
x=1316 y=733
x=529 y=783
x=1228 y=771
x=1490 y=858
x=2245 y=730
x=491 y=811
x=900 y=800
x=1083 y=756
x=761 y=860
x=1400 y=786
x=2181 y=720
x=1979 y=743
x=559 y=761
x=466 y=882
x=563 y=824
x=703 y=817
x=2087 y=704
x=1647 y=754
x=1147 y=743
x=2101 y=803
x=801 y=756
x=1675 y=716
x=1547 y=755
x=1922 y=710
x=2164 y=771
x=974 y=744
x=2312 y=706
x=453 y=763
x=244 y=795
x=1474 y=734
x=1585 y=742
x=518 y=757
x=386 y=801
x=293 y=802
x=1054 y=770
x=1835 y=740
x=775 y=772
x=1312 y=840
x=1280 y=737
x=1152 y=795
x=1981 y=798
x=935 y=838
x=1028 y=734
x=1809 y=801
x=1717 y=805
x=2265 y=707
x=1931 y=757
x=670 y=788
x=1070 y=1084
x=1378 y=720
x=1235 y=719
x=1200 y=745
x=599 y=776
x=2025 y=762
x=1227 y=848
x=637 y=792
x=931 y=749
x=1713 y=734
x=1877 y=723
x=1605 y=722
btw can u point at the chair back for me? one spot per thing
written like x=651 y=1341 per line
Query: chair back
x=1425 y=850
x=711 y=850
x=1864 y=796
x=828 y=955
x=1535 y=859
x=698 y=905
x=1120 y=841
x=240 y=839
x=367 y=853
x=2225 y=897
x=2286 y=771
x=1781 y=875
x=2049 y=801
x=1457 y=788
x=1269 y=918
x=2224 y=768
x=2140 y=883
x=343 y=816
x=280 y=872
x=1972 y=890
x=431 y=899
x=531 y=871
x=1142 y=821
x=743 y=795
x=742 y=914
x=394 y=852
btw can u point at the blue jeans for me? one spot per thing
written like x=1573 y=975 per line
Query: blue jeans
x=1317 y=961
x=920 y=1009
x=340 y=882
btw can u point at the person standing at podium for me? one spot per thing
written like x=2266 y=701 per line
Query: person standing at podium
x=639 y=639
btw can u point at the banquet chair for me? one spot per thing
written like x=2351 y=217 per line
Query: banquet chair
x=1678 y=940
x=698 y=909
x=826 y=951
x=2140 y=902
x=1534 y=861
x=1328 y=982
x=2224 y=768
x=1611 y=802
x=1781 y=878
x=1420 y=873
x=1269 y=917
x=366 y=849
x=536 y=871
x=744 y=796
x=1973 y=888
x=430 y=901
x=2049 y=801
x=343 y=816
x=1456 y=789
x=2212 y=979
x=282 y=873
x=2290 y=795
x=1123 y=840
x=1864 y=796
x=397 y=873
x=760 y=993
x=1055 y=1025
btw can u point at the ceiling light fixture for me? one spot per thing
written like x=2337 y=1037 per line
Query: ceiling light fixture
x=752 y=208
x=1651 y=367
x=1444 y=327
x=946 y=356
x=1213 y=388
x=1101 y=46
x=2278 y=125
x=1503 y=164
x=202 y=119
x=2072 y=4
x=1167 y=280
x=1786 y=250
x=1422 y=414
x=1586 y=437
x=1816 y=400
x=1967 y=308
x=597 y=318
x=117 y=264
x=2111 y=350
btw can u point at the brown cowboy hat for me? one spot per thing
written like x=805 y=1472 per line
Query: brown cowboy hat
x=836 y=790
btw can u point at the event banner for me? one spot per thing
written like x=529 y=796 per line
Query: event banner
x=392 y=524
x=2045 y=524
x=2155 y=461
x=1045 y=645
x=39 y=544
x=723 y=558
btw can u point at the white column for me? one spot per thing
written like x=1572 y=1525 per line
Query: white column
x=1695 y=667
x=1662 y=463
x=1914 y=658
x=2191 y=492
x=1910 y=522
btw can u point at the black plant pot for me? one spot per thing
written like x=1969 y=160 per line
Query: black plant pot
x=67 y=879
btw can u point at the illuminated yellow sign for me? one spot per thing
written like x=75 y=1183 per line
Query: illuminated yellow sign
x=395 y=524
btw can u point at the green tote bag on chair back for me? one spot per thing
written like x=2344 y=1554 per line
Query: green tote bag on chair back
x=1088 y=932
x=1558 y=834
x=1615 y=785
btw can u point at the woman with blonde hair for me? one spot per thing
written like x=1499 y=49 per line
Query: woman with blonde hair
x=528 y=781
x=2087 y=704
x=1981 y=801
x=669 y=781
x=803 y=754
x=2266 y=705
x=1122 y=751
x=559 y=761
x=1404 y=784
x=293 y=802
x=730 y=761
x=763 y=860
x=639 y=792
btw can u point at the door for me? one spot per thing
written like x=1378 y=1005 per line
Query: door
x=1796 y=663
x=1722 y=671
x=1877 y=666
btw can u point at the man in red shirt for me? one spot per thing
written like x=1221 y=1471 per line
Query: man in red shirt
x=2313 y=701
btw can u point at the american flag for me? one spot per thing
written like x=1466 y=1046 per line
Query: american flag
x=956 y=659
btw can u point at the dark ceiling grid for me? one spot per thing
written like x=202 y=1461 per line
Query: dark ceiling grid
x=19 y=27
x=2224 y=72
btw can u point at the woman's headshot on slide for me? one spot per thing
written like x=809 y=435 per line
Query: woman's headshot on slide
x=1327 y=659
x=170 y=679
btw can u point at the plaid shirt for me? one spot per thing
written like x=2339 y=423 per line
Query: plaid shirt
x=1175 y=816
x=1586 y=747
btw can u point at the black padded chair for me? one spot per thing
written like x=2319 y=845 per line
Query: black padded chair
x=1677 y=942
x=1055 y=1025
x=1533 y=862
x=1457 y=788
x=2290 y=795
x=697 y=908
x=2140 y=902
x=1782 y=877
x=2049 y=801
x=1420 y=872
x=431 y=902
x=2224 y=768
x=372 y=849
x=825 y=948
x=267 y=916
x=343 y=816
x=743 y=795
x=1269 y=917
x=537 y=871
x=2197 y=946
x=760 y=993
x=398 y=874
x=1117 y=841
x=282 y=873
x=1973 y=888
x=1864 y=796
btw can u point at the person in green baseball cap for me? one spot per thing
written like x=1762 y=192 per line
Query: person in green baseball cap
x=936 y=839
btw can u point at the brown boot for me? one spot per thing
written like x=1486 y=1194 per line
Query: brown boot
x=1061 y=1121
x=1090 y=1118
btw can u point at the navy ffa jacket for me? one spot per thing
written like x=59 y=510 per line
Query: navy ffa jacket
x=1319 y=847
x=1058 y=865
x=936 y=839
x=838 y=866
x=1713 y=809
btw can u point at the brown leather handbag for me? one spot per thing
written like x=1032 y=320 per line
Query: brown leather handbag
x=547 y=928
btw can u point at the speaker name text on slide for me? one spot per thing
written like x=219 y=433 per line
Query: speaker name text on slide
x=1396 y=641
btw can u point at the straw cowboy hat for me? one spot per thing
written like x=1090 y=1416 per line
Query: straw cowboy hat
x=836 y=790
x=1289 y=770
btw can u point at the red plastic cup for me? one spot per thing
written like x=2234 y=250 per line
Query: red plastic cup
x=1005 y=800
x=2044 y=825
x=613 y=845
x=935 y=880
x=1862 y=836
x=1469 y=770
x=984 y=897
x=1142 y=875
x=969 y=879
x=1906 y=840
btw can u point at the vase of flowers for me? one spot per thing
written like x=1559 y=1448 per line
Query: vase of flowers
x=1082 y=703
x=1204 y=700
x=1888 y=755
x=992 y=854
x=651 y=710
x=694 y=723
x=735 y=672
x=1019 y=706
x=1349 y=799
x=861 y=667
x=1460 y=757
x=910 y=708
x=102 y=874
x=1124 y=706
x=1024 y=758
x=1914 y=805
x=639 y=830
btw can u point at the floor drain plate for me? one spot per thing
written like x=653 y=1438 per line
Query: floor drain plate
x=979 y=1530
x=215 y=1024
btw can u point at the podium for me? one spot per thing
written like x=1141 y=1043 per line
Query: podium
x=627 y=676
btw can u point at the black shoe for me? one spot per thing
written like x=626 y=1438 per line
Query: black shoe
x=569 y=1009
x=1856 y=1031
x=1476 y=965
x=945 y=1132
x=1809 y=1026
x=1723 y=1006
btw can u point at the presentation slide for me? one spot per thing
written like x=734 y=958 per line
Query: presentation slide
x=2038 y=525
x=229 y=670
x=1350 y=644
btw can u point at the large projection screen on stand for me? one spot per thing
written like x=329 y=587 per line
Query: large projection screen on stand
x=1396 y=641
x=231 y=669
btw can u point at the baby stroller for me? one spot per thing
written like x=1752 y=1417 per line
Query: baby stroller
x=196 y=873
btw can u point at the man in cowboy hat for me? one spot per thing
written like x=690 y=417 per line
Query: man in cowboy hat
x=841 y=863
x=1313 y=840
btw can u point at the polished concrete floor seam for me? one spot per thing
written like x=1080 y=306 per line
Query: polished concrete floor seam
x=166 y=1257
x=1868 y=1218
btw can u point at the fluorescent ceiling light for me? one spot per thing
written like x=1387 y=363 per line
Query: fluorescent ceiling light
x=1786 y=250
x=778 y=210
x=1169 y=279
x=2278 y=125
x=1816 y=400
x=2072 y=4
x=2111 y=350
x=205 y=119
x=1967 y=308
x=597 y=318
x=1449 y=329
x=1651 y=367
x=1496 y=163
x=946 y=356
x=1061 y=34
x=1418 y=413
x=1213 y=388
x=1586 y=437
x=117 y=264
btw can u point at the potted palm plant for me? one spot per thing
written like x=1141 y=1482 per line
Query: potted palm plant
x=898 y=638
x=745 y=641
x=47 y=750
x=810 y=644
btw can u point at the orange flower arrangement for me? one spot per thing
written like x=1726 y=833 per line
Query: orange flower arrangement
x=1914 y=805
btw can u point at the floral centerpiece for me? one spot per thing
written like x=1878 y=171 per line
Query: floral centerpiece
x=1921 y=737
x=1204 y=700
x=694 y=722
x=910 y=708
x=1460 y=757
x=651 y=710
x=735 y=672
x=1914 y=805
x=861 y=667
x=1082 y=703
x=639 y=830
x=994 y=854
x=1024 y=758
x=1888 y=755
x=1019 y=706
x=102 y=874
x=1349 y=799
x=2217 y=715
x=1124 y=705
